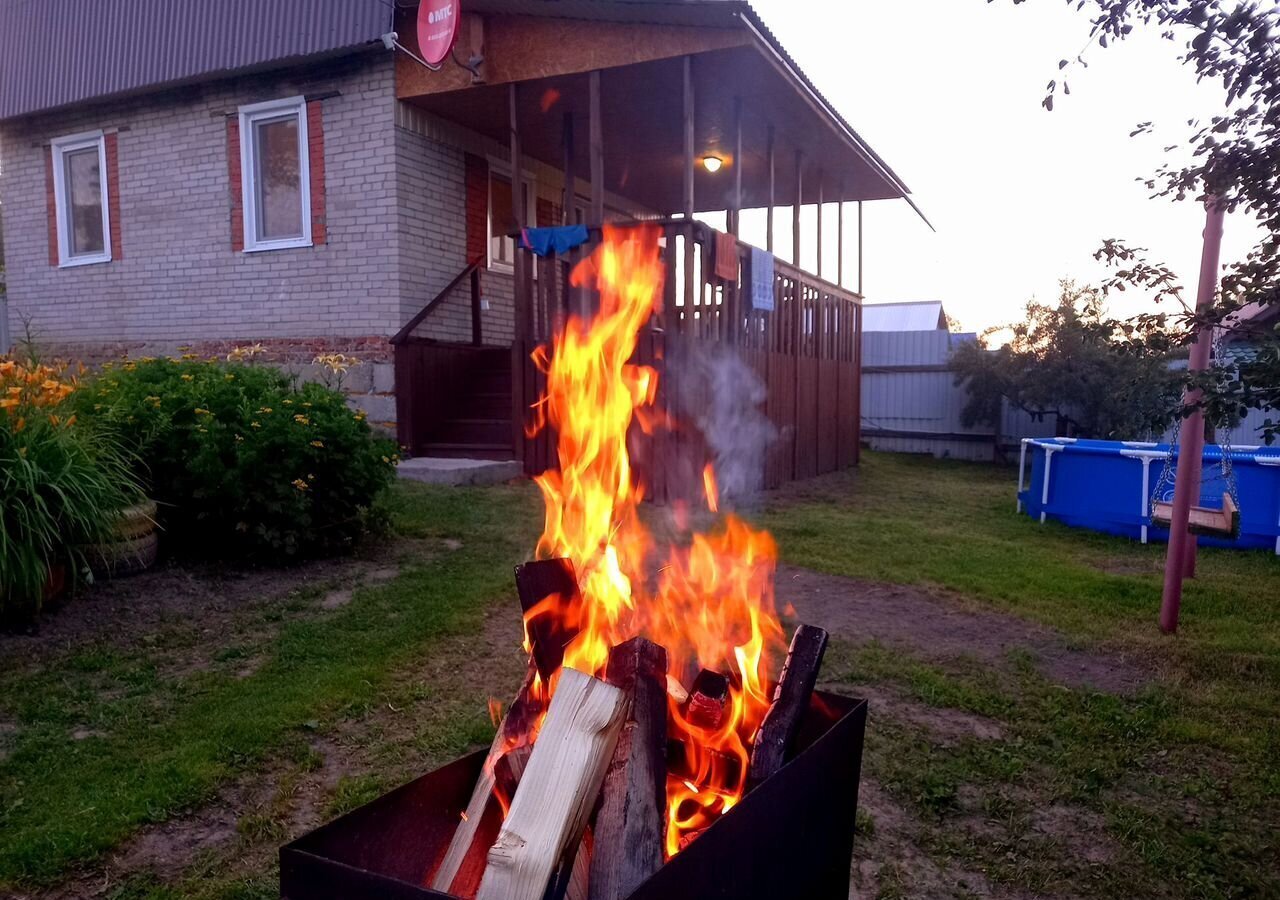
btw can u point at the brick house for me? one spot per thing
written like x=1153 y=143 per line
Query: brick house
x=290 y=172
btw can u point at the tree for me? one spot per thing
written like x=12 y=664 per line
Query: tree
x=1234 y=157
x=1071 y=361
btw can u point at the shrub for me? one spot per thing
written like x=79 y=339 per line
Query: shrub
x=61 y=485
x=241 y=462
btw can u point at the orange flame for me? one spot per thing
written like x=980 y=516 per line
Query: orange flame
x=711 y=603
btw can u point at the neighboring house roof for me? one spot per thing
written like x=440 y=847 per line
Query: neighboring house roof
x=917 y=315
x=55 y=53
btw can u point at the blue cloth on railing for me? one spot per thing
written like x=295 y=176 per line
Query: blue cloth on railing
x=558 y=240
x=761 y=279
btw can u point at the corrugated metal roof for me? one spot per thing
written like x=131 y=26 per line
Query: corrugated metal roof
x=54 y=53
x=919 y=315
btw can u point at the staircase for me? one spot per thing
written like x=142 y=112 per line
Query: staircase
x=475 y=422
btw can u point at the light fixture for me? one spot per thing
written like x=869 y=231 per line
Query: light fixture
x=712 y=163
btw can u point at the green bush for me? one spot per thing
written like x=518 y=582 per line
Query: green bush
x=241 y=462
x=62 y=485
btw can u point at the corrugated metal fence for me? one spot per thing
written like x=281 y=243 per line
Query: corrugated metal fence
x=911 y=404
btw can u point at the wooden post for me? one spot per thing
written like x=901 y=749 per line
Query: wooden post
x=522 y=304
x=688 y=197
x=597 y=150
x=795 y=210
x=790 y=701
x=630 y=825
x=769 y=216
x=819 y=272
x=860 y=294
x=1190 y=457
x=735 y=223
x=570 y=179
x=477 y=334
x=840 y=239
x=558 y=790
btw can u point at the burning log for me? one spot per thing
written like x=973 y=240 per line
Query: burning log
x=707 y=699
x=544 y=586
x=629 y=824
x=558 y=790
x=790 y=701
x=549 y=597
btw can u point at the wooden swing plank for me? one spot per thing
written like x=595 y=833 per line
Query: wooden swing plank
x=1202 y=520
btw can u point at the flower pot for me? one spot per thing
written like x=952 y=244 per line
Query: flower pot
x=133 y=545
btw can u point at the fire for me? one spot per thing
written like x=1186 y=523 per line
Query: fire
x=710 y=603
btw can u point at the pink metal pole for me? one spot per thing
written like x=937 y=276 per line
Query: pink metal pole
x=1182 y=545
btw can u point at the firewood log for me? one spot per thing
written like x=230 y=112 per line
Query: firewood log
x=558 y=790
x=707 y=699
x=790 y=701
x=550 y=601
x=629 y=824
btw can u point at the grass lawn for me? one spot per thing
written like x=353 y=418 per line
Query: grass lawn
x=1178 y=784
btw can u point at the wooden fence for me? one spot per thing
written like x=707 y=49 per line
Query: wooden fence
x=806 y=351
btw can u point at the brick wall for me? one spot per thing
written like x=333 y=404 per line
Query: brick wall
x=175 y=277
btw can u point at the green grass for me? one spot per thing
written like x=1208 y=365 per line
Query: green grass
x=1204 y=736
x=164 y=745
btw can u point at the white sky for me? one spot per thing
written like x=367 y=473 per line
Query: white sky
x=948 y=92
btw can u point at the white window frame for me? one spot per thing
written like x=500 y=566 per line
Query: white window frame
x=59 y=148
x=503 y=170
x=250 y=116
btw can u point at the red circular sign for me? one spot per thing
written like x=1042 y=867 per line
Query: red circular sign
x=437 y=29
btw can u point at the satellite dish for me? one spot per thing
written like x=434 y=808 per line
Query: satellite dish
x=437 y=29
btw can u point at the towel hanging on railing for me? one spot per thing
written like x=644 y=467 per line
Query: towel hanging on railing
x=761 y=279
x=556 y=240
x=726 y=257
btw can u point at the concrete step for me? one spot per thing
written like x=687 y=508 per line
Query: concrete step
x=457 y=472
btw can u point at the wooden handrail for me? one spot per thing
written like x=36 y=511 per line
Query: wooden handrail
x=474 y=266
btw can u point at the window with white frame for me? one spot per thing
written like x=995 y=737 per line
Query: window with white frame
x=80 y=195
x=275 y=175
x=502 y=219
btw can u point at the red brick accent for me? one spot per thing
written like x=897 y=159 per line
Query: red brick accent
x=315 y=150
x=236 y=186
x=113 y=196
x=52 y=202
x=477 y=179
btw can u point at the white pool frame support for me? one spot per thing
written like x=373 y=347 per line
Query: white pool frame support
x=1049 y=449
x=1022 y=467
x=1146 y=457
x=1269 y=461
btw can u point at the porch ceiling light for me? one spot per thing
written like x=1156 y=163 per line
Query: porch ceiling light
x=712 y=163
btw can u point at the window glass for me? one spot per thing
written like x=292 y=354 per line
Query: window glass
x=83 y=180
x=278 y=178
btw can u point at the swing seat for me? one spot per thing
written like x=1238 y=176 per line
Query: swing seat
x=1223 y=523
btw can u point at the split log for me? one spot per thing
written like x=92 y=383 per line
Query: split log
x=552 y=583
x=630 y=821
x=551 y=603
x=790 y=701
x=464 y=862
x=708 y=699
x=558 y=790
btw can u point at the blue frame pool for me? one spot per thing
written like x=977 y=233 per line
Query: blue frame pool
x=1107 y=486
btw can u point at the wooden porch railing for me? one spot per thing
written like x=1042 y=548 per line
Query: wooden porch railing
x=473 y=271
x=806 y=350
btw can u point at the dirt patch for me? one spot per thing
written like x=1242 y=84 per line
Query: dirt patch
x=336 y=599
x=947 y=727
x=889 y=862
x=939 y=626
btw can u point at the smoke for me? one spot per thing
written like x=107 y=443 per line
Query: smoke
x=712 y=388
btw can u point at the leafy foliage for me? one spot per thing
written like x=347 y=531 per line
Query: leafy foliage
x=1231 y=158
x=1070 y=361
x=61 y=485
x=241 y=462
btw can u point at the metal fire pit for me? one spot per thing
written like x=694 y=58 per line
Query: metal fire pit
x=791 y=837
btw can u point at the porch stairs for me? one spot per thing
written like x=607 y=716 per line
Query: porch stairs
x=476 y=423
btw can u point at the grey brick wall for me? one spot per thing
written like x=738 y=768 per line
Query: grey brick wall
x=179 y=279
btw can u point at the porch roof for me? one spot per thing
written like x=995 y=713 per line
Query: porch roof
x=550 y=46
